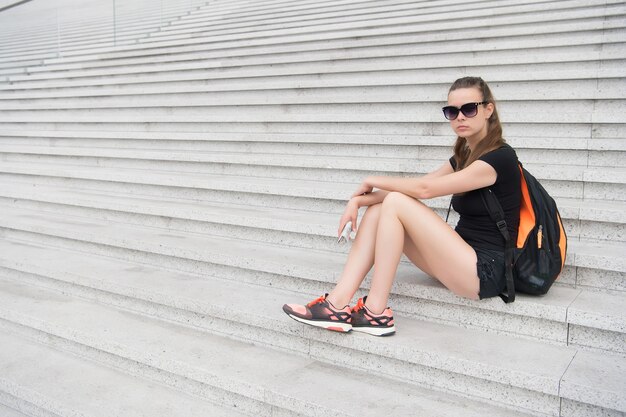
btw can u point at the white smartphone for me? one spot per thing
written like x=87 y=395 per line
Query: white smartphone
x=345 y=233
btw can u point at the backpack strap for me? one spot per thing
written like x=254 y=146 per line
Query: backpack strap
x=497 y=215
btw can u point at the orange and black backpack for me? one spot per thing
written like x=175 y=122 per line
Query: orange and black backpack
x=537 y=258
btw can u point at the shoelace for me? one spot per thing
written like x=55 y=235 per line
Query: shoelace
x=359 y=305
x=317 y=300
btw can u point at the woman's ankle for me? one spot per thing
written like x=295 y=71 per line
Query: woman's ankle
x=337 y=302
x=373 y=308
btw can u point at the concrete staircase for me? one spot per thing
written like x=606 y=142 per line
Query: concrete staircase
x=164 y=191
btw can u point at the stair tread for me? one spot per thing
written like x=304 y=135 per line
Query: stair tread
x=10 y=412
x=251 y=370
x=395 y=26
x=531 y=365
x=581 y=307
x=313 y=264
x=307 y=78
x=380 y=113
x=571 y=208
x=314 y=138
x=248 y=157
x=397 y=63
x=275 y=185
x=348 y=86
x=605 y=311
x=587 y=371
x=294 y=220
x=348 y=50
x=46 y=377
x=318 y=138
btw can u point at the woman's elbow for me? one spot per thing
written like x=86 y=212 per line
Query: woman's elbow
x=423 y=192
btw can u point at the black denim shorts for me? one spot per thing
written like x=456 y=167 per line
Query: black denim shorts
x=491 y=272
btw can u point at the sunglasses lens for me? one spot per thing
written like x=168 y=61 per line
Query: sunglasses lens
x=450 y=112
x=470 y=109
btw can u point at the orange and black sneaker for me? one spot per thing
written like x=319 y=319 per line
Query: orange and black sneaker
x=321 y=313
x=363 y=320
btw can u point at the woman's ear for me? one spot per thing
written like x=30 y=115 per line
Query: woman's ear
x=489 y=108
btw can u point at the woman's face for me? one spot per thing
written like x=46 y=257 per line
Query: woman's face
x=471 y=128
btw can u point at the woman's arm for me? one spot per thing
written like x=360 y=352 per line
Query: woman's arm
x=351 y=212
x=442 y=182
x=365 y=197
x=369 y=199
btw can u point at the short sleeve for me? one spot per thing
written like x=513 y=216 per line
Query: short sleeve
x=503 y=160
x=453 y=162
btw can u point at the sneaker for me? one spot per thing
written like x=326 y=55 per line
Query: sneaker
x=363 y=320
x=321 y=313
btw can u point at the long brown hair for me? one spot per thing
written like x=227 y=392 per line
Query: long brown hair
x=463 y=156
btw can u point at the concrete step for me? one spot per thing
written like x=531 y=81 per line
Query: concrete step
x=100 y=25
x=314 y=271
x=369 y=47
x=444 y=20
x=301 y=83
x=394 y=28
x=598 y=275
x=6 y=411
x=309 y=13
x=17 y=185
x=515 y=82
x=559 y=49
x=591 y=321
x=346 y=155
x=405 y=112
x=38 y=379
x=305 y=143
x=562 y=151
x=583 y=220
x=304 y=13
x=19 y=66
x=359 y=17
x=559 y=180
x=154 y=96
x=423 y=159
x=97 y=31
x=385 y=133
x=256 y=380
x=561 y=37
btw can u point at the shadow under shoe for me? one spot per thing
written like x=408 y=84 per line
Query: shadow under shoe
x=363 y=320
x=321 y=313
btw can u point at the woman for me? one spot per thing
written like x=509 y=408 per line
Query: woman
x=468 y=260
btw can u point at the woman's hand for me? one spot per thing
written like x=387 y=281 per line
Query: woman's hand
x=364 y=188
x=350 y=214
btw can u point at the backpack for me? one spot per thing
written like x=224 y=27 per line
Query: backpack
x=537 y=258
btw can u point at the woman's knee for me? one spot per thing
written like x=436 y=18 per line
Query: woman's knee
x=395 y=201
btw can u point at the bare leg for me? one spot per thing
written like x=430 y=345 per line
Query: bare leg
x=360 y=259
x=440 y=250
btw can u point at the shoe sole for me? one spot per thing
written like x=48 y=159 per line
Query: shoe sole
x=328 y=325
x=376 y=331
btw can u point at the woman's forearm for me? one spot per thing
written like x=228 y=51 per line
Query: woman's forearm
x=370 y=199
x=414 y=187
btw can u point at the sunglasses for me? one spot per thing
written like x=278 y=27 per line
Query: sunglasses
x=468 y=109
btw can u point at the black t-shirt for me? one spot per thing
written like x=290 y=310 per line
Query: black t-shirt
x=475 y=225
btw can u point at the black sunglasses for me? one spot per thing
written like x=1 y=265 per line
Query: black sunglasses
x=468 y=109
